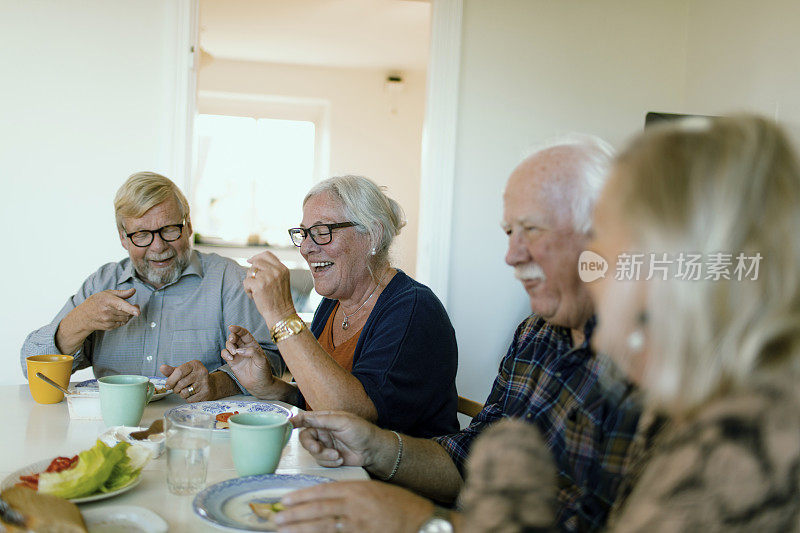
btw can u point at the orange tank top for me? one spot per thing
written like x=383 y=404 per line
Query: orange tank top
x=342 y=354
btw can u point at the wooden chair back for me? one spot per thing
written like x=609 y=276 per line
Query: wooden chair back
x=469 y=407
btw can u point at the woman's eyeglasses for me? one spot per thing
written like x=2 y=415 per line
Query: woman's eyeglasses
x=321 y=234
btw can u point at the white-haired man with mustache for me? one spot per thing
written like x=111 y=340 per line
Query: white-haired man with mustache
x=165 y=308
x=550 y=377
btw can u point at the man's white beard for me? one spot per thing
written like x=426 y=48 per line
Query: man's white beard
x=166 y=275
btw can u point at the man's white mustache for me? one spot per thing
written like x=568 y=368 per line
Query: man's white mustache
x=169 y=254
x=529 y=271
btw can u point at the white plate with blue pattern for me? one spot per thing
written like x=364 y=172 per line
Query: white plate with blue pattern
x=218 y=407
x=226 y=505
x=90 y=386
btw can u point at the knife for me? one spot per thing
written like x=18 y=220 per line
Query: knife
x=10 y=515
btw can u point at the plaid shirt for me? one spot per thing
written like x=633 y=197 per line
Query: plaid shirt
x=587 y=424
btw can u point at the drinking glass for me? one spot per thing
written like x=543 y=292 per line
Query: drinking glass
x=188 y=442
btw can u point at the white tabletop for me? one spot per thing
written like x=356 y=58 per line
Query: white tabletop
x=32 y=432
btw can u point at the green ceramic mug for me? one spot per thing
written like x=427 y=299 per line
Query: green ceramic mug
x=123 y=397
x=257 y=440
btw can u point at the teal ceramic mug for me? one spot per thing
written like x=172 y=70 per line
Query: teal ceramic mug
x=123 y=397
x=257 y=440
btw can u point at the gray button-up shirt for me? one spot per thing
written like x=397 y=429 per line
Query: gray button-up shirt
x=182 y=321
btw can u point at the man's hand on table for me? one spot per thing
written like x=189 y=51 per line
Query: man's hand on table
x=192 y=382
x=353 y=506
x=337 y=438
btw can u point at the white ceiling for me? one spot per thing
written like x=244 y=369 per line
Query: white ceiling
x=390 y=34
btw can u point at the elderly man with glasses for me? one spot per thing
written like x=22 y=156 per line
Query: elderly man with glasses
x=163 y=309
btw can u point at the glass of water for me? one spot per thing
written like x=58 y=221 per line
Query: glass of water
x=188 y=450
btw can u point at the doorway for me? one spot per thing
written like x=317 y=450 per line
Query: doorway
x=327 y=88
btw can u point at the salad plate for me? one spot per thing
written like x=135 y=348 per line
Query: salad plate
x=90 y=386
x=226 y=505
x=224 y=406
x=40 y=466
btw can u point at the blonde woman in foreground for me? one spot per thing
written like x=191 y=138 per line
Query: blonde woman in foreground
x=717 y=356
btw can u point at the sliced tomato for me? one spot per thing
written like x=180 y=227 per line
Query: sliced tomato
x=223 y=417
x=59 y=464
x=31 y=481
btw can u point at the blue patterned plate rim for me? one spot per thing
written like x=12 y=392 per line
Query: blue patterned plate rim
x=216 y=407
x=209 y=503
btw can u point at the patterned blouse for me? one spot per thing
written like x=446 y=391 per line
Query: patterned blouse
x=733 y=466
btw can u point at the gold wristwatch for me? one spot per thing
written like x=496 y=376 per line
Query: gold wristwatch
x=291 y=325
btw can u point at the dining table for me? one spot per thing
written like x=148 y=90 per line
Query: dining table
x=33 y=432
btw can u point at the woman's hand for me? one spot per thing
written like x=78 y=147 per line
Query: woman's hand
x=267 y=283
x=353 y=506
x=248 y=362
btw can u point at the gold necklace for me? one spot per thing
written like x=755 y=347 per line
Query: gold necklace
x=346 y=321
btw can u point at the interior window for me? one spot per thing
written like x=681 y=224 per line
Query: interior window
x=251 y=177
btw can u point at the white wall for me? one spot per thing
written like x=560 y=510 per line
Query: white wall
x=532 y=69
x=743 y=57
x=88 y=94
x=366 y=137
x=535 y=68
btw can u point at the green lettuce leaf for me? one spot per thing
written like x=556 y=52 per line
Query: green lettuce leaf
x=127 y=469
x=98 y=468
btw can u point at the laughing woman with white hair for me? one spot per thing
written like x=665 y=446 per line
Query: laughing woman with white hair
x=381 y=344
x=716 y=352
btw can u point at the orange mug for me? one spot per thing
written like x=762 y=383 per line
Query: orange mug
x=56 y=367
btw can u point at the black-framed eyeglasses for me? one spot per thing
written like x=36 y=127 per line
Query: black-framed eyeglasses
x=320 y=233
x=144 y=237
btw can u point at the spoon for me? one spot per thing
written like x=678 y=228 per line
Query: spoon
x=52 y=383
x=156 y=427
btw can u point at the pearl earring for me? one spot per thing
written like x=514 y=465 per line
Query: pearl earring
x=635 y=340
x=373 y=251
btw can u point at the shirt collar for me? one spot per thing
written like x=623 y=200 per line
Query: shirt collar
x=195 y=268
x=565 y=336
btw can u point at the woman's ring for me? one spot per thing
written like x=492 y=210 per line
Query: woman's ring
x=190 y=389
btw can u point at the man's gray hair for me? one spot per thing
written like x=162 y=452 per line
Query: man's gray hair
x=594 y=157
x=366 y=204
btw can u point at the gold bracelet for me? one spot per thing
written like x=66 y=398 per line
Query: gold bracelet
x=291 y=325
